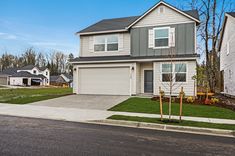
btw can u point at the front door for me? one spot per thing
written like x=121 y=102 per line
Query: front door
x=148 y=81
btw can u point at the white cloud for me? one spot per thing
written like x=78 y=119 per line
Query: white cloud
x=7 y=36
x=44 y=43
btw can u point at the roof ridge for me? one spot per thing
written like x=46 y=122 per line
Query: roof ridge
x=119 y=18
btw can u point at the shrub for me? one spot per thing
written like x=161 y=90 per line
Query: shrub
x=214 y=100
x=207 y=102
x=190 y=99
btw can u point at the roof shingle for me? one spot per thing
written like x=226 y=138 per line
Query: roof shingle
x=110 y=24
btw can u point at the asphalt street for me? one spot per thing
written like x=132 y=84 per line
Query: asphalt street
x=26 y=136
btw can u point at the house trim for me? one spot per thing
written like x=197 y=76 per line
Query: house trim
x=154 y=37
x=142 y=83
x=157 y=25
x=137 y=60
x=102 y=32
x=173 y=67
x=155 y=6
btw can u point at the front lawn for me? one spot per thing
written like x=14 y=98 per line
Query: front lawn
x=28 y=95
x=183 y=123
x=146 y=105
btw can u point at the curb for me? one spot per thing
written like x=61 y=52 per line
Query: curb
x=185 y=129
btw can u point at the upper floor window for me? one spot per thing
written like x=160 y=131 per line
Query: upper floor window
x=161 y=37
x=34 y=71
x=106 y=43
x=46 y=73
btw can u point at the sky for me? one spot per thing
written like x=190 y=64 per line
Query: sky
x=49 y=25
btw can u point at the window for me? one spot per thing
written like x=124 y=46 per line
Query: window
x=106 y=43
x=46 y=73
x=180 y=72
x=166 y=72
x=161 y=37
x=34 y=71
x=99 y=43
x=175 y=72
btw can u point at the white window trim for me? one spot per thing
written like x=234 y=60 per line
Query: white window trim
x=159 y=28
x=173 y=73
x=106 y=44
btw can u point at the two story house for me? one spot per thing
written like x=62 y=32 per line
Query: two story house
x=29 y=75
x=227 y=54
x=137 y=55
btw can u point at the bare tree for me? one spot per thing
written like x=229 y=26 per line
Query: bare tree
x=40 y=60
x=211 y=14
x=29 y=57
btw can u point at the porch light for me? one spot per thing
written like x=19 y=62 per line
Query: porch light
x=75 y=69
x=133 y=68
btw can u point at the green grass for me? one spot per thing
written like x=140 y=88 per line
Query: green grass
x=146 y=105
x=2 y=87
x=27 y=95
x=175 y=122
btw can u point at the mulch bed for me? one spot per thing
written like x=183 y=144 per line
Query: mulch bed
x=223 y=102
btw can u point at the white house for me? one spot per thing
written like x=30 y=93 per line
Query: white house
x=26 y=76
x=227 y=54
x=130 y=55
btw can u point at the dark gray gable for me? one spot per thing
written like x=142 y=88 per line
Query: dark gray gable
x=231 y=14
x=9 y=71
x=193 y=13
x=28 y=67
x=110 y=24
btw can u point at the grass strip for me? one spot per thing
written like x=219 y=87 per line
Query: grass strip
x=173 y=122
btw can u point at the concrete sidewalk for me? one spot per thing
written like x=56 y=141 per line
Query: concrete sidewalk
x=83 y=115
x=54 y=113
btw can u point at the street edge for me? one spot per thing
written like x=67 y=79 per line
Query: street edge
x=153 y=126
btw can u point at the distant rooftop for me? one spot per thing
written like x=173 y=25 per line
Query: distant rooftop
x=231 y=14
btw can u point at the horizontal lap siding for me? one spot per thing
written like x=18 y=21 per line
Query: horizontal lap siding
x=85 y=52
x=169 y=16
x=227 y=62
x=188 y=86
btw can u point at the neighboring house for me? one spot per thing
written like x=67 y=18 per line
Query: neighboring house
x=130 y=56
x=26 y=76
x=5 y=75
x=227 y=54
x=64 y=80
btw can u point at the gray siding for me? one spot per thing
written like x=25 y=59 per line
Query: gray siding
x=184 y=41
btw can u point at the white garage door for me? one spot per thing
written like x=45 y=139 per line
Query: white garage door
x=109 y=81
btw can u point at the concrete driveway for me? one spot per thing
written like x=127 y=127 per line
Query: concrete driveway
x=99 y=102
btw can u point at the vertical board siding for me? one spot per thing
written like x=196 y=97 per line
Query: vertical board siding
x=184 y=41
